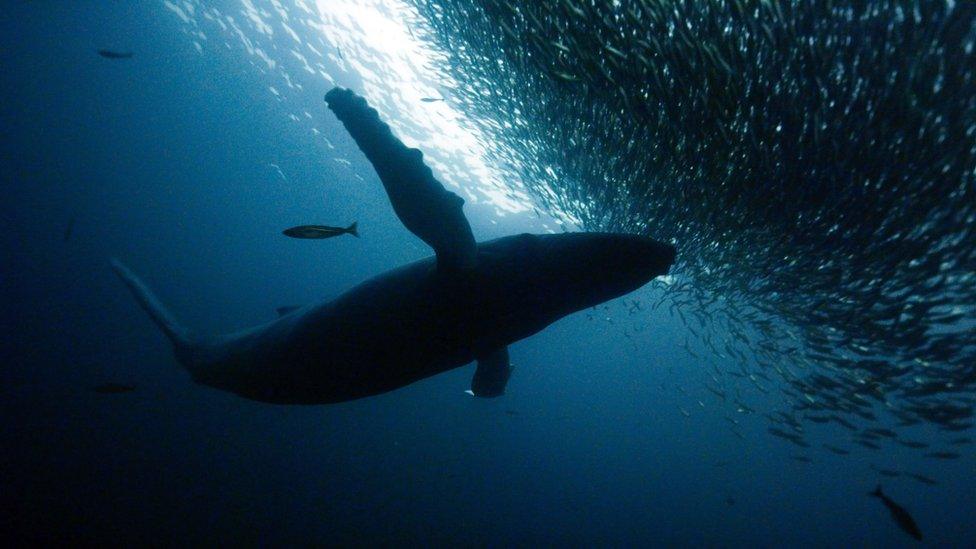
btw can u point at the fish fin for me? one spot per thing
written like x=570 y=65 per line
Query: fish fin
x=492 y=374
x=423 y=205
x=287 y=309
x=877 y=492
x=353 y=229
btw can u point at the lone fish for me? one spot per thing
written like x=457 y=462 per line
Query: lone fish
x=69 y=229
x=320 y=231
x=943 y=455
x=109 y=54
x=901 y=516
x=112 y=388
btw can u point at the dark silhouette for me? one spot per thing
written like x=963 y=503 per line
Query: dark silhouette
x=287 y=309
x=109 y=54
x=320 y=231
x=112 y=388
x=467 y=303
x=901 y=516
x=69 y=229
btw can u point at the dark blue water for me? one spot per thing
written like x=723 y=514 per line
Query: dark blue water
x=606 y=434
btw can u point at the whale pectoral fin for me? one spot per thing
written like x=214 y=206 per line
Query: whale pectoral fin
x=492 y=374
x=423 y=205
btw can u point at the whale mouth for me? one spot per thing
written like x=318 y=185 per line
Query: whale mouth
x=659 y=256
x=595 y=267
x=635 y=257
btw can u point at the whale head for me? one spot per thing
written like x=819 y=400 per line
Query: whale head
x=581 y=270
x=533 y=280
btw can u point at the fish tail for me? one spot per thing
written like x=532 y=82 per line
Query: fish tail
x=877 y=492
x=177 y=334
x=352 y=229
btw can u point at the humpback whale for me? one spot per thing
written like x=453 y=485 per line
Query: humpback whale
x=466 y=303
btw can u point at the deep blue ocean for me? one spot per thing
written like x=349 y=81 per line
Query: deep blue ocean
x=187 y=160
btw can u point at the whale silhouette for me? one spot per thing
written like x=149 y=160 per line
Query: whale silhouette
x=466 y=303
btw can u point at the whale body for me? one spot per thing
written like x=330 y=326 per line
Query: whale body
x=466 y=303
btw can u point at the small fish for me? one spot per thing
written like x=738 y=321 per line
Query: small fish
x=943 y=455
x=716 y=392
x=843 y=422
x=886 y=472
x=69 y=229
x=277 y=169
x=320 y=231
x=110 y=54
x=794 y=438
x=511 y=412
x=868 y=444
x=888 y=433
x=836 y=450
x=922 y=478
x=901 y=516
x=912 y=444
x=287 y=309
x=564 y=76
x=113 y=388
x=431 y=99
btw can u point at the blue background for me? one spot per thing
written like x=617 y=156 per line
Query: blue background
x=163 y=162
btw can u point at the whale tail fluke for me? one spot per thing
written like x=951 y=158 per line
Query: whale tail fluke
x=176 y=333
